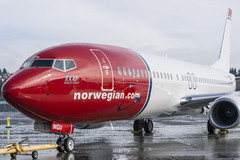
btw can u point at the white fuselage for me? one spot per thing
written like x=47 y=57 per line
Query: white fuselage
x=173 y=79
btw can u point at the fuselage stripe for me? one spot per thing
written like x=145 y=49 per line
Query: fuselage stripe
x=150 y=86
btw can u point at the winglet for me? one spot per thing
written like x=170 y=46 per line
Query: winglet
x=223 y=62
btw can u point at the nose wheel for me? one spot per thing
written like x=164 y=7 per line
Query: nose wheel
x=65 y=143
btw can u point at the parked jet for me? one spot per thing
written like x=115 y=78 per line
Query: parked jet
x=85 y=85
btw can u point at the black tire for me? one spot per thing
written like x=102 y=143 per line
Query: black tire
x=137 y=125
x=60 y=143
x=13 y=155
x=69 y=144
x=148 y=126
x=34 y=154
x=210 y=128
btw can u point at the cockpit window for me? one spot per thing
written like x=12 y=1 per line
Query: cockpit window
x=59 y=65
x=26 y=64
x=69 y=64
x=40 y=63
x=64 y=64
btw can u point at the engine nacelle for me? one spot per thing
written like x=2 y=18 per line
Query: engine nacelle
x=224 y=112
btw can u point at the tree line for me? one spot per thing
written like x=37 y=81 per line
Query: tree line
x=4 y=75
x=235 y=71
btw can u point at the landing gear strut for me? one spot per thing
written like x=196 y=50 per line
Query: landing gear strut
x=65 y=143
x=210 y=128
x=147 y=124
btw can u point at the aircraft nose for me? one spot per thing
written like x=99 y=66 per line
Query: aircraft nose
x=21 y=92
x=10 y=91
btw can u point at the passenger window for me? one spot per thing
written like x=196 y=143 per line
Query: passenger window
x=161 y=75
x=119 y=71
x=157 y=75
x=165 y=76
x=146 y=73
x=142 y=73
x=59 y=65
x=124 y=71
x=154 y=76
x=177 y=77
x=69 y=64
x=171 y=76
x=138 y=73
x=42 y=63
x=129 y=72
x=134 y=73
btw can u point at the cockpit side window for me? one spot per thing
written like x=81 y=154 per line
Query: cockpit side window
x=59 y=65
x=42 y=63
x=69 y=64
x=26 y=64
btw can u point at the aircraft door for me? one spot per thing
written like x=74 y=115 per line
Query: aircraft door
x=194 y=78
x=192 y=81
x=106 y=70
x=189 y=79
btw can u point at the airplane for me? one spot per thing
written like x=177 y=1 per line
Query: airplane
x=82 y=85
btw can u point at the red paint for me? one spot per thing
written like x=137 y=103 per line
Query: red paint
x=47 y=94
x=229 y=12
x=62 y=128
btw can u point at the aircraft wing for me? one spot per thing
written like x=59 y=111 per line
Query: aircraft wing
x=198 y=101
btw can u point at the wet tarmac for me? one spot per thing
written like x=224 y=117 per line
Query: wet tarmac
x=173 y=138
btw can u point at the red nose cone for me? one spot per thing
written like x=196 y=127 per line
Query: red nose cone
x=10 y=91
x=22 y=92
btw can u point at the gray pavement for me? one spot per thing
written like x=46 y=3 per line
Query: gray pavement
x=173 y=138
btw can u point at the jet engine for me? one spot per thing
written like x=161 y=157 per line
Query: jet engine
x=224 y=111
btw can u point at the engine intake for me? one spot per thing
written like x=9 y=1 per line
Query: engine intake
x=224 y=112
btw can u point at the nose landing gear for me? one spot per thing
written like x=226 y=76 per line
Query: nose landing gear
x=65 y=143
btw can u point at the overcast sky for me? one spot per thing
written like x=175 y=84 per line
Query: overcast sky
x=189 y=30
